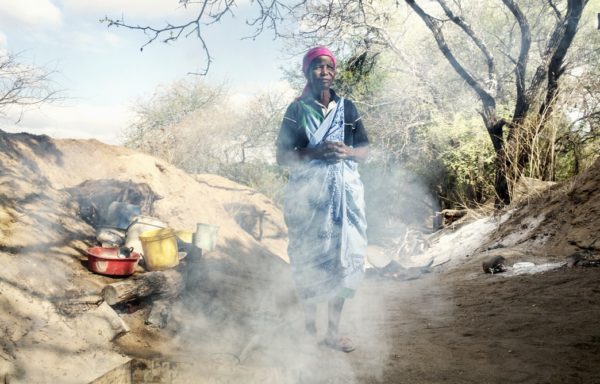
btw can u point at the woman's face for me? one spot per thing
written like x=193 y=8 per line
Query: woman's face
x=321 y=73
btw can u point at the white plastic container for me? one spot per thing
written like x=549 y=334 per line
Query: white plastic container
x=138 y=225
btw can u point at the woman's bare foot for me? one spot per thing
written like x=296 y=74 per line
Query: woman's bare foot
x=339 y=343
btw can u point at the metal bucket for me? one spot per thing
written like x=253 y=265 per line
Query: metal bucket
x=205 y=237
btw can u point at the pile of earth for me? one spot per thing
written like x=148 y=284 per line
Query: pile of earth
x=45 y=228
x=555 y=223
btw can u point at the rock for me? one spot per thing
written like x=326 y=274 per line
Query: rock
x=495 y=264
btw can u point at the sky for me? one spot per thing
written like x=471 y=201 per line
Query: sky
x=102 y=71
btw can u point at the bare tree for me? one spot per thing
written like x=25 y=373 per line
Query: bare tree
x=534 y=98
x=535 y=91
x=581 y=137
x=196 y=127
x=271 y=13
x=259 y=126
x=353 y=26
x=156 y=127
x=23 y=85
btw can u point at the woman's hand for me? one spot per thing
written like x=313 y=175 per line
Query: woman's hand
x=333 y=151
x=330 y=152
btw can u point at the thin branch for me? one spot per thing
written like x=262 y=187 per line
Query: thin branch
x=24 y=85
x=271 y=14
x=555 y=9
x=589 y=116
x=434 y=26
x=492 y=76
x=173 y=32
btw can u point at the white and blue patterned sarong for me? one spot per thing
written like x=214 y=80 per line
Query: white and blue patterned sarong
x=325 y=215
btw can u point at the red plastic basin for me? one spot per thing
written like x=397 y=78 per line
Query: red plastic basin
x=106 y=261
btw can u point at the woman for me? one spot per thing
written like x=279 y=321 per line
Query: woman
x=322 y=138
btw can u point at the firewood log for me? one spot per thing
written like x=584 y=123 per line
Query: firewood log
x=168 y=283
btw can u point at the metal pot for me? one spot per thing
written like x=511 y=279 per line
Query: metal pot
x=205 y=236
x=110 y=236
x=125 y=252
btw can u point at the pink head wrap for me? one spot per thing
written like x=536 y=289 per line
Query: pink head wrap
x=312 y=54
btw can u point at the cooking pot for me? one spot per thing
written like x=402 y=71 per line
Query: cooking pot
x=110 y=237
x=112 y=261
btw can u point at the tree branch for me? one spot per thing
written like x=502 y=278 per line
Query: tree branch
x=489 y=57
x=434 y=26
x=24 y=85
x=522 y=102
x=172 y=32
x=555 y=9
x=551 y=47
x=271 y=14
x=555 y=67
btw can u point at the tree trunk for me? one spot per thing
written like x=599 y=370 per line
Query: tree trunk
x=495 y=129
x=537 y=99
x=542 y=92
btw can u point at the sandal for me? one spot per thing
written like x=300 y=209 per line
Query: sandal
x=343 y=344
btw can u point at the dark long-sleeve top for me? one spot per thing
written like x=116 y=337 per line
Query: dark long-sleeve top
x=293 y=136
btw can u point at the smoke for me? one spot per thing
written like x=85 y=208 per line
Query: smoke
x=251 y=328
x=396 y=198
x=267 y=347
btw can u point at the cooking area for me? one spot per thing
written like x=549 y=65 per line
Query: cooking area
x=225 y=307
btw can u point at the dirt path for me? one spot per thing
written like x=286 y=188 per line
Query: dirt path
x=465 y=327
x=458 y=326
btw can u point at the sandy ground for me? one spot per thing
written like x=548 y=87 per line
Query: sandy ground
x=458 y=326
x=454 y=324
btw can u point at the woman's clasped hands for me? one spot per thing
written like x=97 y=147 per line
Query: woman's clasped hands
x=332 y=151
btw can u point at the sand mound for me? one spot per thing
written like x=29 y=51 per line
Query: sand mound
x=546 y=225
x=559 y=221
x=43 y=238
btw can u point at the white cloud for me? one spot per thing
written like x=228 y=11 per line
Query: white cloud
x=83 y=121
x=30 y=13
x=111 y=39
x=82 y=39
x=92 y=41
